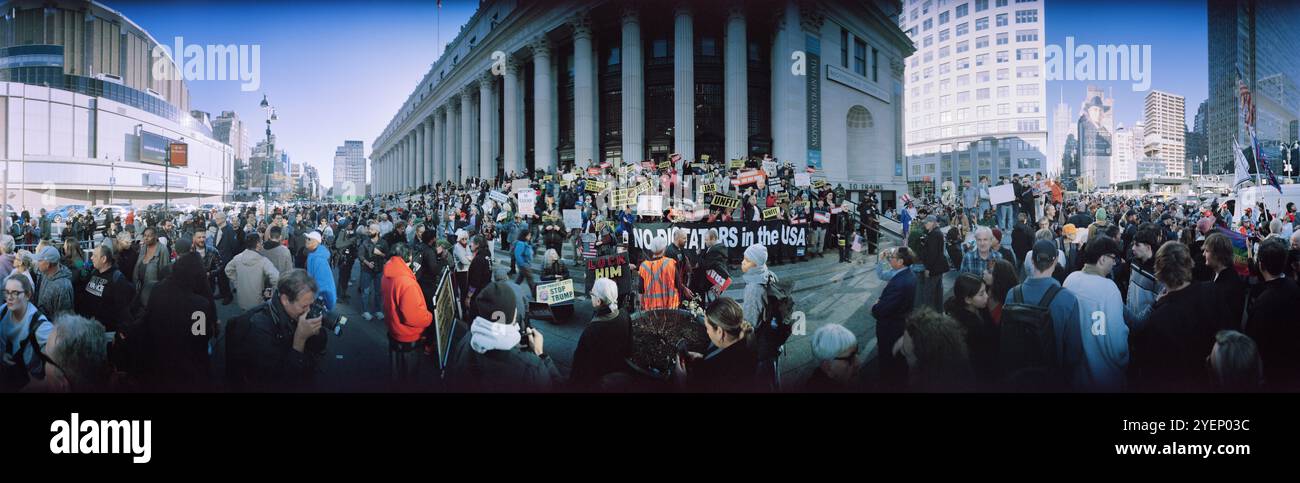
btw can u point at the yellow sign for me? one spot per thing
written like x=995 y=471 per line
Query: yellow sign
x=704 y=157
x=708 y=188
x=595 y=186
x=770 y=213
x=548 y=177
x=665 y=164
x=625 y=197
x=727 y=202
x=819 y=183
x=736 y=164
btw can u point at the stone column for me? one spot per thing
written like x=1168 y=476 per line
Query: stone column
x=684 y=82
x=633 y=87
x=467 y=165
x=584 y=92
x=487 y=168
x=543 y=105
x=436 y=163
x=737 y=87
x=512 y=110
x=418 y=136
x=450 y=163
x=427 y=177
x=789 y=93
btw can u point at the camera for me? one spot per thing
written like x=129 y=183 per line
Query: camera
x=329 y=320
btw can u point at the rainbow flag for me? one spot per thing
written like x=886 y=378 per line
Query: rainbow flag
x=1239 y=252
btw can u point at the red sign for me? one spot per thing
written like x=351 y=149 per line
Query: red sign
x=176 y=152
x=594 y=171
x=749 y=177
x=604 y=164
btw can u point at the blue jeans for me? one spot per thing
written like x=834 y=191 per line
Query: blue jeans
x=370 y=291
x=1005 y=220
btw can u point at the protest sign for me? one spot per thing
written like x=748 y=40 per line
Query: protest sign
x=527 y=202
x=498 y=197
x=771 y=213
x=573 y=219
x=736 y=164
x=594 y=171
x=727 y=202
x=519 y=185
x=1004 y=193
x=569 y=177
x=555 y=292
x=802 y=180
x=708 y=188
x=769 y=167
x=650 y=205
x=780 y=237
x=624 y=197
x=819 y=184
x=613 y=267
x=748 y=177
x=704 y=158
x=595 y=186
x=665 y=165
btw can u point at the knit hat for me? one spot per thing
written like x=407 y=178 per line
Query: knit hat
x=1101 y=214
x=1069 y=230
x=497 y=297
x=1205 y=224
x=757 y=254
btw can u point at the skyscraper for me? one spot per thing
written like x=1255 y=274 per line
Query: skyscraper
x=976 y=91
x=1253 y=39
x=1062 y=126
x=349 y=170
x=1166 y=124
x=1196 y=143
x=1123 y=164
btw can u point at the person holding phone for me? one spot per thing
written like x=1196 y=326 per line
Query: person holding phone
x=730 y=363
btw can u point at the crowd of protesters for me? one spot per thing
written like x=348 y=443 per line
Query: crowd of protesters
x=1045 y=292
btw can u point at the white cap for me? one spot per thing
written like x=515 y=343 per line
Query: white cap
x=315 y=235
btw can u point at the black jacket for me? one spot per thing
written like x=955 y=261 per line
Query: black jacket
x=1271 y=321
x=228 y=245
x=480 y=270
x=106 y=297
x=602 y=349
x=932 y=253
x=1022 y=239
x=260 y=355
x=431 y=267
x=1230 y=291
x=175 y=357
x=731 y=370
x=981 y=341
x=1169 y=352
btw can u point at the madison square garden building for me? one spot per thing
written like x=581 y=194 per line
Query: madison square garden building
x=85 y=118
x=550 y=85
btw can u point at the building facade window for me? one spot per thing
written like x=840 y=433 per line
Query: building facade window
x=1026 y=36
x=1001 y=20
x=981 y=42
x=981 y=5
x=963 y=28
x=1002 y=38
x=943 y=18
x=1026 y=16
x=860 y=57
x=943 y=35
x=962 y=10
x=981 y=24
x=1026 y=54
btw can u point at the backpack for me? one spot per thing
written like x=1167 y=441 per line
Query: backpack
x=1027 y=336
x=775 y=319
x=236 y=331
x=14 y=377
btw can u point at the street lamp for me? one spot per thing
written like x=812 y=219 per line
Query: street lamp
x=270 y=150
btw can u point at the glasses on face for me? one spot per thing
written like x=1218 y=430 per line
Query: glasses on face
x=13 y=294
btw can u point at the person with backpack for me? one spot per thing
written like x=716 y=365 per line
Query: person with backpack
x=1040 y=339
x=756 y=277
x=24 y=331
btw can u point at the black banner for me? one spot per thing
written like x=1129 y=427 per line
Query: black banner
x=782 y=239
x=613 y=267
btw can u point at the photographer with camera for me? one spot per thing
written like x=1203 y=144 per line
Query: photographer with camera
x=277 y=345
x=407 y=313
x=492 y=358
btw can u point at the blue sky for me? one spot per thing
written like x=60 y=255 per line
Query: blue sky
x=334 y=70
x=339 y=70
x=1175 y=30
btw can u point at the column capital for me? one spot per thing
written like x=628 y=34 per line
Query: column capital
x=428 y=121
x=631 y=12
x=485 y=80
x=468 y=92
x=453 y=107
x=581 y=24
x=681 y=8
x=512 y=66
x=736 y=10
x=541 y=46
x=811 y=15
x=898 y=67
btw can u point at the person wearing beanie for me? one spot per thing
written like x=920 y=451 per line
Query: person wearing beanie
x=492 y=358
x=606 y=342
x=407 y=313
x=1101 y=310
x=756 y=277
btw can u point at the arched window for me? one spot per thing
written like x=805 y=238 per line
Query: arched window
x=860 y=133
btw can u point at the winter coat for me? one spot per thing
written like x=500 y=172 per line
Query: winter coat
x=250 y=274
x=404 y=308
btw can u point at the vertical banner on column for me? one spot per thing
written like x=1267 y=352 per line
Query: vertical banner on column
x=814 y=48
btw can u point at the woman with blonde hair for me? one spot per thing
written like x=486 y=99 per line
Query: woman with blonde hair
x=730 y=363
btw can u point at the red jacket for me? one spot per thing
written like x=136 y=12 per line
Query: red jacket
x=404 y=306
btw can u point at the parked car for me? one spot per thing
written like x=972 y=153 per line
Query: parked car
x=63 y=212
x=118 y=210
